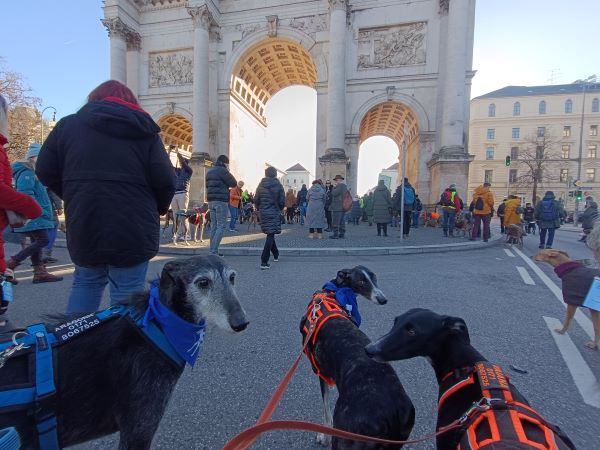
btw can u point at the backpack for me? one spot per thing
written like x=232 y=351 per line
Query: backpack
x=548 y=210
x=347 y=201
x=418 y=205
x=409 y=195
x=479 y=205
x=445 y=199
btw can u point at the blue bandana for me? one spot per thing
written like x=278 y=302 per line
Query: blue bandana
x=346 y=297
x=185 y=337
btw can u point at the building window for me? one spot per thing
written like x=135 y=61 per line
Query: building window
x=564 y=175
x=568 y=107
x=294 y=181
x=542 y=107
x=592 y=150
x=593 y=130
x=491 y=133
x=590 y=174
x=512 y=176
x=517 y=109
x=488 y=176
x=514 y=153
x=566 y=131
x=566 y=149
x=492 y=110
x=489 y=153
x=595 y=105
x=541 y=131
x=516 y=133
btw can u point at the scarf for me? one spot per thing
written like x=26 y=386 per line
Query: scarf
x=346 y=298
x=566 y=267
x=185 y=337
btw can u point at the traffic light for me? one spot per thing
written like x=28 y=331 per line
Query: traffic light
x=571 y=194
x=507 y=161
x=578 y=196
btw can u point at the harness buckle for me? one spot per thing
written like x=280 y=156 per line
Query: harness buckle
x=480 y=406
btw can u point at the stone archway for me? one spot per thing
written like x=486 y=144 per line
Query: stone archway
x=176 y=130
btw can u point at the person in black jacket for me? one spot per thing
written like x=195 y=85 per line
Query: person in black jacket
x=109 y=165
x=269 y=200
x=218 y=182
x=302 y=203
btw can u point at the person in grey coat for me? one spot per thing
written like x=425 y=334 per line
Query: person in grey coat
x=548 y=213
x=337 y=208
x=589 y=217
x=380 y=208
x=270 y=201
x=315 y=213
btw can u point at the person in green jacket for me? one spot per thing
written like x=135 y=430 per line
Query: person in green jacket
x=380 y=207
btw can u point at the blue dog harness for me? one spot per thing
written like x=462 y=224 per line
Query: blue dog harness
x=179 y=341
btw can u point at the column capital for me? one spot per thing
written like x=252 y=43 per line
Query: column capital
x=116 y=27
x=134 y=41
x=338 y=4
x=201 y=16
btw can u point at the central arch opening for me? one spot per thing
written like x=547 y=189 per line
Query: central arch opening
x=271 y=121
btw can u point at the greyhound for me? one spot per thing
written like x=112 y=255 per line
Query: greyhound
x=371 y=400
x=111 y=378
x=445 y=342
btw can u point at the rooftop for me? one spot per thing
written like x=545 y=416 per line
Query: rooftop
x=393 y=167
x=297 y=168
x=522 y=91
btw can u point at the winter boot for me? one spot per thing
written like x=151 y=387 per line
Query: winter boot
x=311 y=235
x=12 y=264
x=41 y=275
x=47 y=257
x=319 y=235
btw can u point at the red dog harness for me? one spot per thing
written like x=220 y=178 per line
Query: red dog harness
x=498 y=420
x=321 y=308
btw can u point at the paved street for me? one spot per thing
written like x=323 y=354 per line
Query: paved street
x=506 y=308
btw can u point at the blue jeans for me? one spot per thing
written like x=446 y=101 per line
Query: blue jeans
x=234 y=216
x=550 y=236
x=51 y=238
x=448 y=221
x=89 y=283
x=416 y=219
x=302 y=209
x=218 y=221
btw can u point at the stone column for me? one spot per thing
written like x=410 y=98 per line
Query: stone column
x=336 y=71
x=454 y=97
x=117 y=31
x=200 y=127
x=133 y=61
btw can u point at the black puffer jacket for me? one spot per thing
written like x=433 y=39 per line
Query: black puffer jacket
x=270 y=200
x=218 y=182
x=108 y=164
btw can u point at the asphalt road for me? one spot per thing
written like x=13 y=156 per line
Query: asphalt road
x=236 y=374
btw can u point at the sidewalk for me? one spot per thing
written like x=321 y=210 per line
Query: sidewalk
x=360 y=240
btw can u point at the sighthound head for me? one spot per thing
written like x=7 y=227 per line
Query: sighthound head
x=202 y=288
x=362 y=281
x=552 y=256
x=417 y=332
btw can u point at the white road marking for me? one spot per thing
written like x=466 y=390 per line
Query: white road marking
x=525 y=275
x=509 y=253
x=584 y=378
x=583 y=321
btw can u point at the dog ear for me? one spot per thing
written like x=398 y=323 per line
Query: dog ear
x=342 y=277
x=171 y=286
x=456 y=325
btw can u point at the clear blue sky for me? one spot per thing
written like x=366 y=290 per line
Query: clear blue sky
x=62 y=49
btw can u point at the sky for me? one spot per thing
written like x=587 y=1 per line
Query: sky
x=62 y=50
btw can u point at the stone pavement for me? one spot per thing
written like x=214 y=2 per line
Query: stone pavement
x=360 y=240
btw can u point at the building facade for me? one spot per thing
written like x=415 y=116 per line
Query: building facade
x=205 y=69
x=295 y=177
x=390 y=176
x=541 y=128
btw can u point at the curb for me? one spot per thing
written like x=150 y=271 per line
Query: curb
x=336 y=251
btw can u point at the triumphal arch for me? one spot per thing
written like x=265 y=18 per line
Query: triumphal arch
x=397 y=68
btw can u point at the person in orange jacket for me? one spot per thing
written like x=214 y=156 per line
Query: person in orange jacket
x=481 y=206
x=235 y=203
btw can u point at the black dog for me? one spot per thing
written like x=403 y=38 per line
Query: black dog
x=463 y=373
x=111 y=378
x=371 y=399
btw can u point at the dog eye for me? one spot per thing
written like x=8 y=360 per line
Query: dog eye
x=203 y=283
x=232 y=278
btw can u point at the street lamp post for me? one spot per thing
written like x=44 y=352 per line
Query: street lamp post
x=42 y=121
x=404 y=148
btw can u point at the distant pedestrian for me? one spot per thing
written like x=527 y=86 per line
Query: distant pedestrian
x=369 y=207
x=337 y=208
x=290 y=205
x=529 y=218
x=381 y=207
x=301 y=202
x=417 y=212
x=315 y=212
x=356 y=211
x=109 y=165
x=36 y=230
x=589 y=217
x=500 y=213
x=482 y=206
x=181 y=199
x=218 y=182
x=57 y=209
x=451 y=206
x=548 y=213
x=270 y=201
x=235 y=203
x=409 y=204
x=328 y=189
x=512 y=215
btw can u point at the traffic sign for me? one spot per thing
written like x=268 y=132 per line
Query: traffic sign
x=577 y=183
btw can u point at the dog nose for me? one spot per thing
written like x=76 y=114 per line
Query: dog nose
x=381 y=299
x=240 y=327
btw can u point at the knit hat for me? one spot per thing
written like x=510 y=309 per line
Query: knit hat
x=223 y=159
x=452 y=186
x=33 y=151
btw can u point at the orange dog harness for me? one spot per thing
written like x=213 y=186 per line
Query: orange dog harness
x=321 y=308
x=498 y=420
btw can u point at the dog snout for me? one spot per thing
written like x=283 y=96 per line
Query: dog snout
x=381 y=299
x=240 y=327
x=238 y=320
